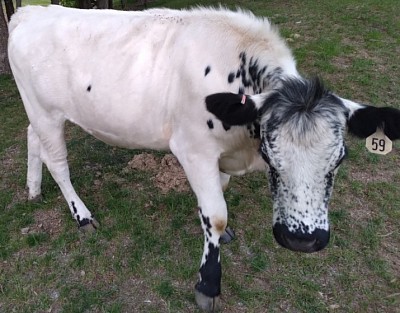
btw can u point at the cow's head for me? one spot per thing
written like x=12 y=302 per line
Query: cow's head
x=302 y=140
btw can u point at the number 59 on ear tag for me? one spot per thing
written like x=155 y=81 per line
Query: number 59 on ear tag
x=378 y=143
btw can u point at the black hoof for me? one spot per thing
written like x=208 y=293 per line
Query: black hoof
x=207 y=304
x=227 y=236
x=88 y=225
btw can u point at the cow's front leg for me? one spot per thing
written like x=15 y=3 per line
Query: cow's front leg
x=203 y=174
x=208 y=288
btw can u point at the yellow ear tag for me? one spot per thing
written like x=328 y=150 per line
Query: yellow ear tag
x=378 y=143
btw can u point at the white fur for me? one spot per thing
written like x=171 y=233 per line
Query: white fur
x=351 y=106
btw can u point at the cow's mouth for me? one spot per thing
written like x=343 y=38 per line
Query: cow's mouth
x=299 y=241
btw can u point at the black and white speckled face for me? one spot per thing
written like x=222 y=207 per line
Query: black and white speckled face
x=303 y=147
x=301 y=173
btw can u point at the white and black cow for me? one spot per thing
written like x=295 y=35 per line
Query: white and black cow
x=218 y=88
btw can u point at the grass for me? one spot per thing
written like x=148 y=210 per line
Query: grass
x=146 y=254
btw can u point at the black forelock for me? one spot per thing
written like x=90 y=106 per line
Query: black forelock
x=299 y=98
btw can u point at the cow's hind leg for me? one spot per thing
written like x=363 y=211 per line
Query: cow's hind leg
x=34 y=174
x=49 y=137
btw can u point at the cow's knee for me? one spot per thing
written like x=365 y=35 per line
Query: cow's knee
x=213 y=225
x=219 y=224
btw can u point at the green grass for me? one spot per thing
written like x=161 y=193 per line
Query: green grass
x=146 y=254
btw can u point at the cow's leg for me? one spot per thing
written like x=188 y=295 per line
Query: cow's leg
x=49 y=135
x=34 y=174
x=203 y=175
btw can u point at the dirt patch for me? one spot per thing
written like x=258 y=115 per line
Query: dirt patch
x=46 y=221
x=342 y=62
x=171 y=176
x=144 y=162
x=167 y=173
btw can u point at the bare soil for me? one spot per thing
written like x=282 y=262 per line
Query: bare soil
x=167 y=173
x=47 y=221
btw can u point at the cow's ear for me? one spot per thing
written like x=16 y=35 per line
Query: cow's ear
x=364 y=121
x=232 y=109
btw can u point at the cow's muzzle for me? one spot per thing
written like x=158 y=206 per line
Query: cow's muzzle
x=299 y=241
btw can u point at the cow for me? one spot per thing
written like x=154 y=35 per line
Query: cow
x=217 y=88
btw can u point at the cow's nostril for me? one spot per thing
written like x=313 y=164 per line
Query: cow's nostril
x=299 y=241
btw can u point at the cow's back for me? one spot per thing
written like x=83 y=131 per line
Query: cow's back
x=111 y=71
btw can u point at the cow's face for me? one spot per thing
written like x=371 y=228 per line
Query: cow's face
x=302 y=127
x=303 y=146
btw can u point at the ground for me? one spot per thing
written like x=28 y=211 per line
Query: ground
x=167 y=173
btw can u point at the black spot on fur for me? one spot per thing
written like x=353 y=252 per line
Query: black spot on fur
x=73 y=207
x=226 y=126
x=89 y=88
x=253 y=69
x=343 y=155
x=273 y=178
x=231 y=77
x=257 y=76
x=206 y=221
x=210 y=272
x=207 y=70
x=243 y=57
x=210 y=124
x=328 y=186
